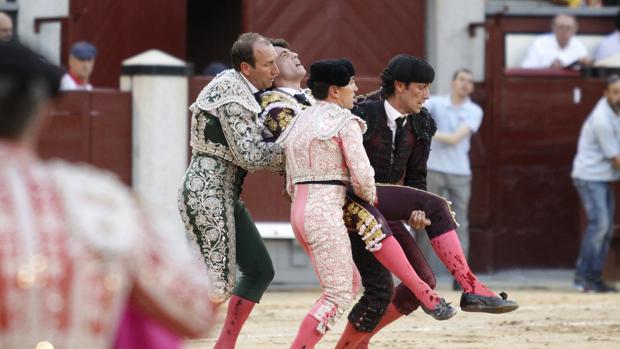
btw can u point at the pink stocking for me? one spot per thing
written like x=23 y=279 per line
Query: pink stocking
x=391 y=255
x=307 y=335
x=239 y=310
x=448 y=249
x=350 y=337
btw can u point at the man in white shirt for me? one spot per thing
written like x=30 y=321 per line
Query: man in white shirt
x=449 y=171
x=610 y=45
x=81 y=65
x=595 y=169
x=559 y=49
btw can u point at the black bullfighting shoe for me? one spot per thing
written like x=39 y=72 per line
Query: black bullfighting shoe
x=442 y=311
x=487 y=304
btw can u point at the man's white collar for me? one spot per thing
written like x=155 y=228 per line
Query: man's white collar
x=290 y=91
x=391 y=112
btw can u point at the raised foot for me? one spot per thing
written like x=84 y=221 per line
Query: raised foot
x=442 y=311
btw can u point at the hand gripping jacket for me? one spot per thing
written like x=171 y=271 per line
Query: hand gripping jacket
x=279 y=109
x=227 y=100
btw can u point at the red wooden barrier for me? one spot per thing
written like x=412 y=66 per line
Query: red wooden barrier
x=525 y=211
x=91 y=127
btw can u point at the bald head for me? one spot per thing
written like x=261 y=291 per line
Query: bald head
x=564 y=27
x=6 y=27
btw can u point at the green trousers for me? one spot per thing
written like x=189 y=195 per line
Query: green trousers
x=220 y=226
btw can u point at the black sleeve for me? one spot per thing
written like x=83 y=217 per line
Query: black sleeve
x=424 y=127
x=415 y=173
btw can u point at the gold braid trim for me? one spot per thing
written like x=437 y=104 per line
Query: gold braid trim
x=365 y=224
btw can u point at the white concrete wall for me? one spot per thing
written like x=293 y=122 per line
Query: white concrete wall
x=47 y=41
x=448 y=44
x=160 y=141
x=160 y=136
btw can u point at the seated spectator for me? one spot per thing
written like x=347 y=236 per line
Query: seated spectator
x=6 y=27
x=75 y=245
x=610 y=45
x=81 y=65
x=559 y=49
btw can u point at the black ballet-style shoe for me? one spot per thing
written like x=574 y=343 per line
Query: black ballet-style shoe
x=487 y=304
x=442 y=311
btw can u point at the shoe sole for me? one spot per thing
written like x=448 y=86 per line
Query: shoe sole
x=445 y=318
x=489 y=309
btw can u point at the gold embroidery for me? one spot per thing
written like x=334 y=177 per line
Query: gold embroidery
x=365 y=224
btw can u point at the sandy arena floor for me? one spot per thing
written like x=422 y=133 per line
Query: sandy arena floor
x=546 y=319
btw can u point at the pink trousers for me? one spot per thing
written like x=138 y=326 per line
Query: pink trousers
x=317 y=219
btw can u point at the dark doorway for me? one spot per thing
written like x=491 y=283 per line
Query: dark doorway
x=212 y=27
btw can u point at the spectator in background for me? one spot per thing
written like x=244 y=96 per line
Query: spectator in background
x=6 y=27
x=81 y=65
x=449 y=170
x=610 y=45
x=595 y=167
x=559 y=49
x=75 y=244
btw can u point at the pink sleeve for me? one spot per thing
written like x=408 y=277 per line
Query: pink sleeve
x=361 y=172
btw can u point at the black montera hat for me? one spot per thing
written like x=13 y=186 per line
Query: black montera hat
x=407 y=68
x=332 y=72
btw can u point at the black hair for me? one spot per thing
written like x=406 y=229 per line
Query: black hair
x=26 y=81
x=461 y=70
x=387 y=85
x=612 y=79
x=320 y=90
x=280 y=43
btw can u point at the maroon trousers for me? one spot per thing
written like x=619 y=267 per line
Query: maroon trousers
x=395 y=205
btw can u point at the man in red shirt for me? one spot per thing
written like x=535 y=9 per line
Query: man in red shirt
x=81 y=65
